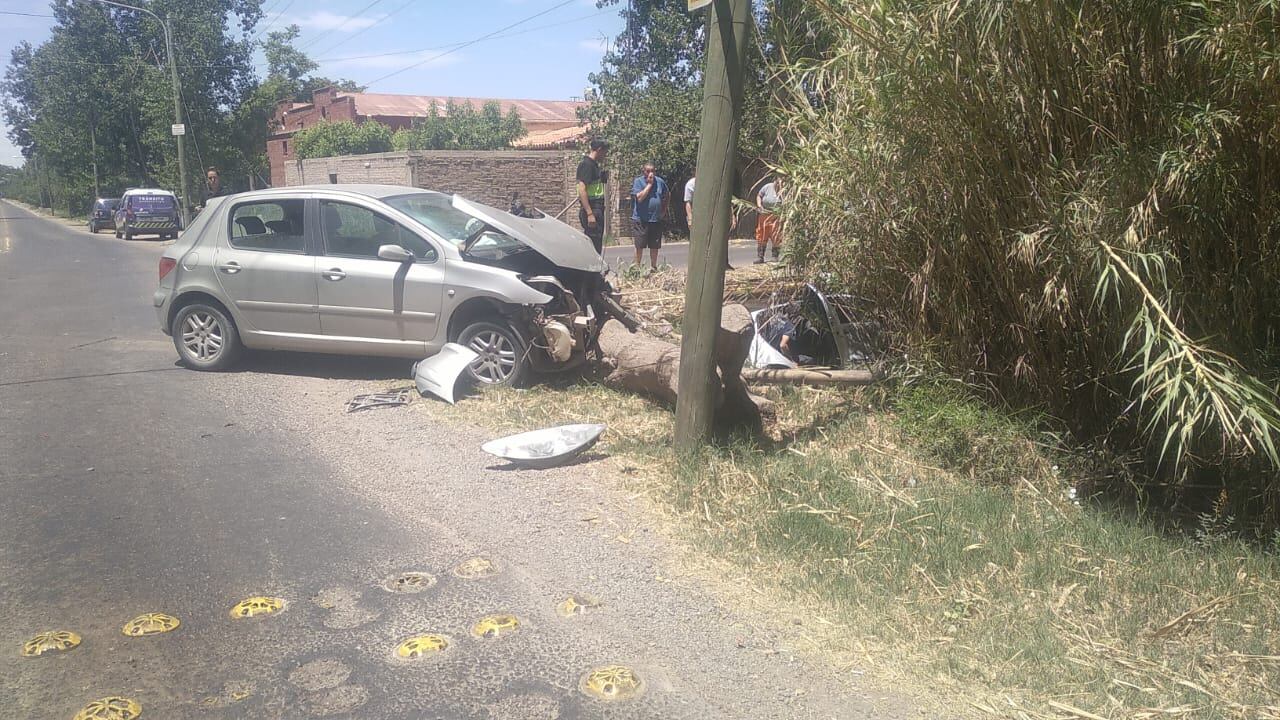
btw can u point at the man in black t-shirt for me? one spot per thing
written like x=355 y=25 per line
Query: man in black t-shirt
x=591 y=182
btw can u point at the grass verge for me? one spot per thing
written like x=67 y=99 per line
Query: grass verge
x=951 y=546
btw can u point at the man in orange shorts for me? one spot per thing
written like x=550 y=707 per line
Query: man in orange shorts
x=768 y=227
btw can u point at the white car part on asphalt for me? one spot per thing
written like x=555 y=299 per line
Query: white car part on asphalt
x=545 y=448
x=438 y=374
x=761 y=354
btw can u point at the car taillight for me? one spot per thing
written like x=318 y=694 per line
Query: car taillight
x=166 y=266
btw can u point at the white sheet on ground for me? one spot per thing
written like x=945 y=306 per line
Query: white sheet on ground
x=762 y=354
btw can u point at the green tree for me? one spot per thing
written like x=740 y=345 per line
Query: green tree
x=289 y=70
x=460 y=127
x=98 y=92
x=647 y=95
x=342 y=138
x=288 y=78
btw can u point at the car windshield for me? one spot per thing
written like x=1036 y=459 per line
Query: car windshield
x=437 y=213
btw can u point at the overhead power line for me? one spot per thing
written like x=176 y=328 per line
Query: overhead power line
x=127 y=64
x=367 y=28
x=22 y=14
x=340 y=25
x=526 y=31
x=267 y=25
x=469 y=43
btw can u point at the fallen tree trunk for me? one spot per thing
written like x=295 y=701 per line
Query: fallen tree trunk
x=801 y=376
x=645 y=364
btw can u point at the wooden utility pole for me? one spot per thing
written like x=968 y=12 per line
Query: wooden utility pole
x=728 y=35
x=93 y=153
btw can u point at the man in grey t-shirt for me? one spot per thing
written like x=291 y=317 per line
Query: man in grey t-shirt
x=768 y=229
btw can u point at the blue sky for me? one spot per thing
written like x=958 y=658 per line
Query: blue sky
x=546 y=58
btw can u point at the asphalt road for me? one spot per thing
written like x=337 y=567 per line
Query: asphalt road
x=676 y=254
x=131 y=485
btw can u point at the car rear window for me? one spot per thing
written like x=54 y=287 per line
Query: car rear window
x=271 y=226
x=152 y=202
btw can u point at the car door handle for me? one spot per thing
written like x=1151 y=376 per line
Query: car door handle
x=334 y=274
x=230 y=267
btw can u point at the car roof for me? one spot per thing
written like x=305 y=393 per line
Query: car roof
x=378 y=192
x=146 y=191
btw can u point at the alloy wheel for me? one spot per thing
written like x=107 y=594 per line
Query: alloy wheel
x=497 y=359
x=203 y=336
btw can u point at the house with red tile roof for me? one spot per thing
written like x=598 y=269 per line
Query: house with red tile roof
x=551 y=124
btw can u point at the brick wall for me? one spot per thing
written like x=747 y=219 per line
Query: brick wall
x=545 y=179
x=385 y=168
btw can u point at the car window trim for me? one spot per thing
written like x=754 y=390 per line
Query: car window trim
x=231 y=221
x=324 y=245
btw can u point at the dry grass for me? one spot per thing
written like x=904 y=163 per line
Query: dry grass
x=941 y=545
x=658 y=298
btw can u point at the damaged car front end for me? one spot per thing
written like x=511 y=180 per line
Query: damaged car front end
x=557 y=326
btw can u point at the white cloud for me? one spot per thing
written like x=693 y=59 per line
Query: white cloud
x=595 y=45
x=397 y=61
x=325 y=20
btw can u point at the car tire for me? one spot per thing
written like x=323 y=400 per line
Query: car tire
x=503 y=354
x=194 y=326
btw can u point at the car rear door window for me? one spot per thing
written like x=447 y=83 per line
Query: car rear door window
x=354 y=231
x=269 y=225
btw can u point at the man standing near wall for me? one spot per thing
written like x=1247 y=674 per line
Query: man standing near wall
x=650 y=207
x=591 y=182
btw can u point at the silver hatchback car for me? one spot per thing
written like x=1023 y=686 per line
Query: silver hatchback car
x=382 y=270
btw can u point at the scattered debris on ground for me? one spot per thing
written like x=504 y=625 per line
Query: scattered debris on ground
x=391 y=398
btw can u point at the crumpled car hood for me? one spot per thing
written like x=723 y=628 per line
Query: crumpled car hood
x=549 y=237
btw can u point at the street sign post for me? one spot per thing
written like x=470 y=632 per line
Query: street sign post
x=179 y=129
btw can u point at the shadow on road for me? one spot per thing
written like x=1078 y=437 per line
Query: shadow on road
x=334 y=367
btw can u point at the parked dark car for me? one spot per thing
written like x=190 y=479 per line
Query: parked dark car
x=103 y=214
x=147 y=211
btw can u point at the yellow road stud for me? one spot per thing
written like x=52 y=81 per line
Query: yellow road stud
x=52 y=641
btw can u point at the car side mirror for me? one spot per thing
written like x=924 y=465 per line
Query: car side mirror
x=395 y=253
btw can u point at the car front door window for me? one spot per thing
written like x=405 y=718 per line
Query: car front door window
x=357 y=232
